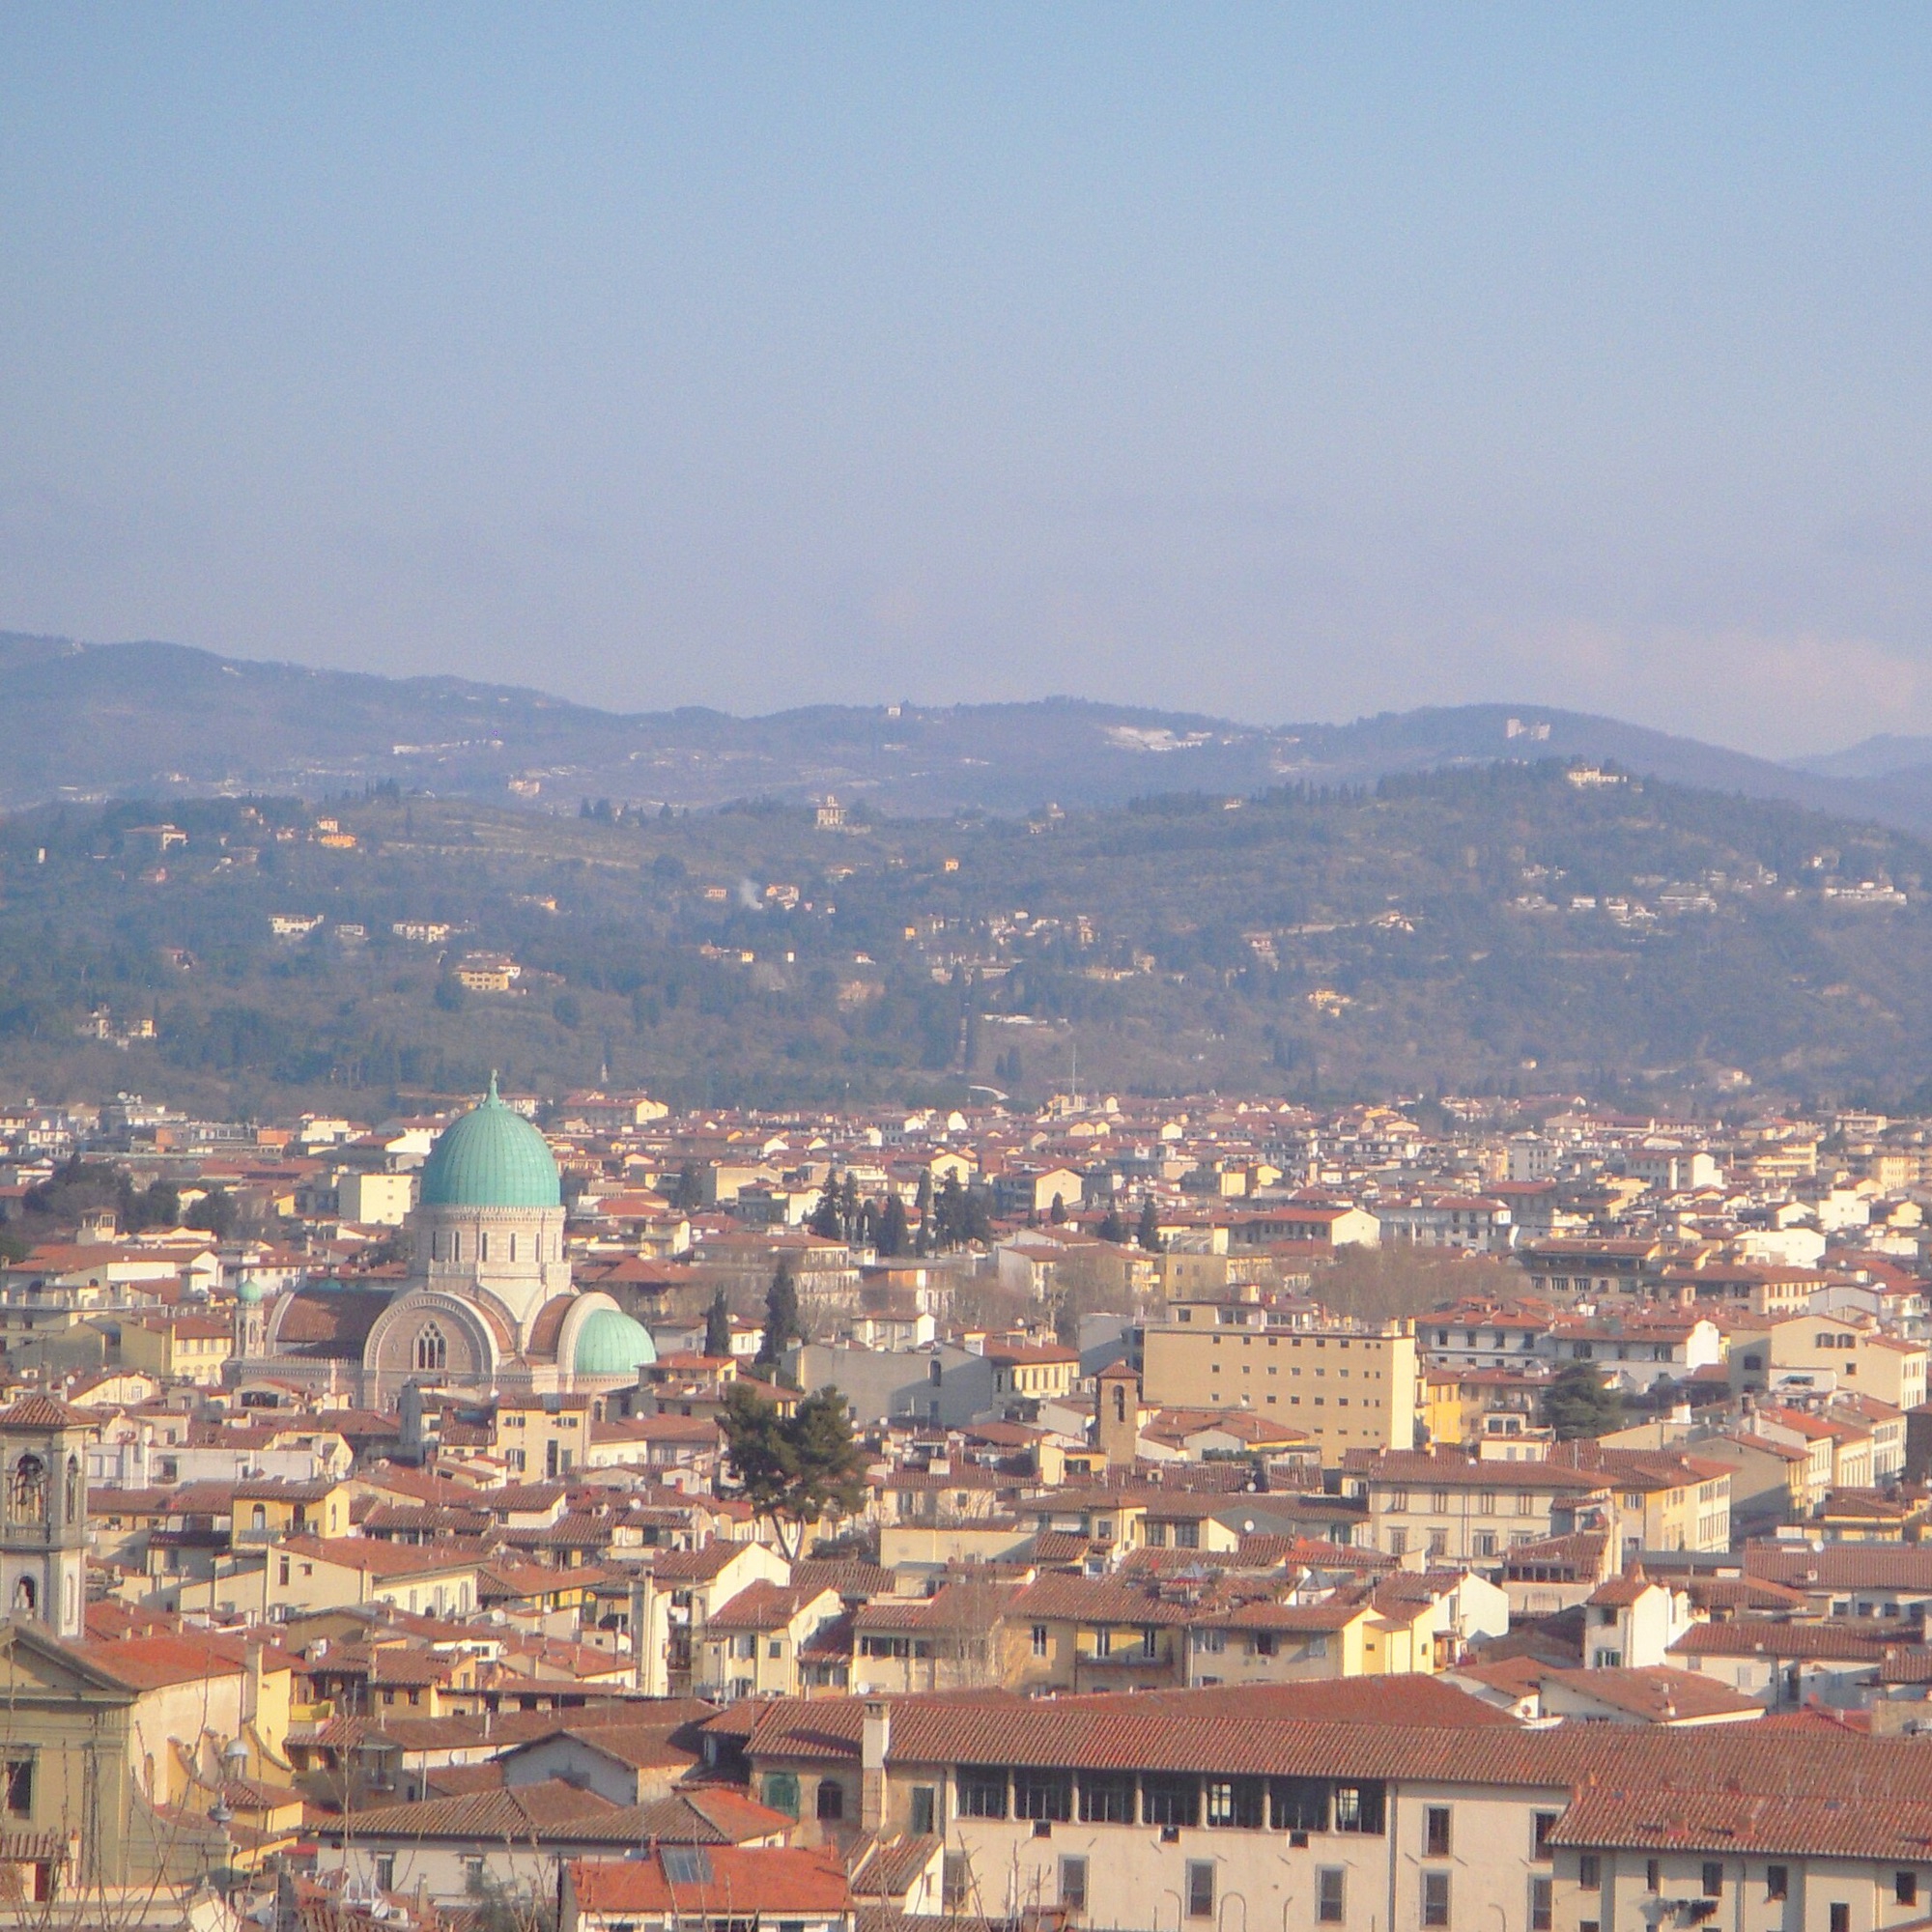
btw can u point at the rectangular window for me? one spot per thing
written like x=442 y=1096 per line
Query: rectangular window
x=1039 y=1640
x=1436 y=1831
x=1435 y=1899
x=1905 y=1887
x=1044 y=1794
x=1201 y=1888
x=1360 y=1807
x=982 y=1791
x=1298 y=1803
x=955 y=1880
x=1236 y=1802
x=1541 y=1905
x=1841 y=1917
x=19 y=1787
x=1653 y=1875
x=1330 y=1895
x=1713 y=1878
x=1106 y=1798
x=1776 y=1882
x=1589 y=1871
x=1542 y=1825
x=1073 y=1884
x=1170 y=1801
x=385 y=1872
x=925 y=1810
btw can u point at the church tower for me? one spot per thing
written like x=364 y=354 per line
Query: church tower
x=250 y=1322
x=43 y=1513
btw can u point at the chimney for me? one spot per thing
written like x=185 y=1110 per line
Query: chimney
x=875 y=1738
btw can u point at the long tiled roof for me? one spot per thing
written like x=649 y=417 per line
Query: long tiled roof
x=1729 y=1786
x=740 y=1881
x=991 y=1726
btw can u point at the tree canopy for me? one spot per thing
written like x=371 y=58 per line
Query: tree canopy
x=793 y=1470
x=1578 y=1402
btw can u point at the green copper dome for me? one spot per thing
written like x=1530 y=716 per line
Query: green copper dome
x=612 y=1344
x=249 y=1292
x=489 y=1157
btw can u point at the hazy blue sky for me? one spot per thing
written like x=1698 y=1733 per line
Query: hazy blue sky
x=1283 y=364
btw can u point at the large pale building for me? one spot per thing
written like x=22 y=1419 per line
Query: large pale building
x=1347 y=1387
x=489 y=1303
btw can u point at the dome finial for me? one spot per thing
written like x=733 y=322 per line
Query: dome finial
x=491 y=1099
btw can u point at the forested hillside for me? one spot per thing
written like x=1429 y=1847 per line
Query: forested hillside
x=1535 y=927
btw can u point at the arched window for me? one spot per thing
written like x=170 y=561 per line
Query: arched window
x=432 y=1351
x=455 y=1246
x=830 y=1798
x=485 y=1238
x=259 y=1518
x=513 y=1247
x=76 y=1491
x=29 y=1499
x=26 y=1598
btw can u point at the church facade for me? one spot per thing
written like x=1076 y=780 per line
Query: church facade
x=489 y=1303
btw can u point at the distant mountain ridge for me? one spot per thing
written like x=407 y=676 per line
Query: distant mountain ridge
x=148 y=719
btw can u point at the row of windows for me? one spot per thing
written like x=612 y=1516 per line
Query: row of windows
x=1482 y=1543
x=1295 y=1342
x=1711 y=1882
x=1439 y=1501
x=445 y=1244
x=1331 y=1894
x=1171 y=1800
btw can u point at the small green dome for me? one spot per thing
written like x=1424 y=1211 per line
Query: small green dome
x=612 y=1344
x=489 y=1157
x=249 y=1292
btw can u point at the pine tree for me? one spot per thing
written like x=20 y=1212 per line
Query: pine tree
x=782 y=1323
x=825 y=1220
x=892 y=1230
x=718 y=1327
x=1147 y=1233
x=949 y=1215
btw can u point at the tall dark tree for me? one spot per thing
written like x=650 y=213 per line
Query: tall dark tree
x=922 y=1207
x=848 y=1206
x=793 y=1470
x=1578 y=1403
x=688 y=1196
x=214 y=1213
x=782 y=1320
x=1147 y=1233
x=892 y=1230
x=717 y=1326
x=1113 y=1228
x=1056 y=1213
x=949 y=1215
x=826 y=1221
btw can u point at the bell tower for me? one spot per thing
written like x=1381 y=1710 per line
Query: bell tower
x=250 y=1322
x=43 y=1513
